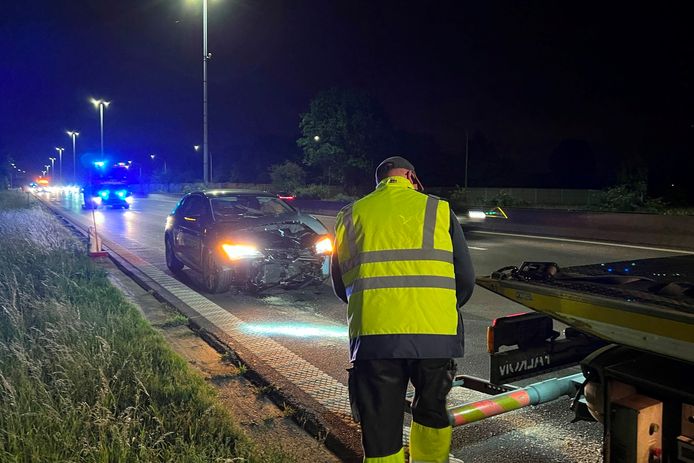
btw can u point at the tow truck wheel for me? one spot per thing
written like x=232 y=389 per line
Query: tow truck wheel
x=172 y=261
x=215 y=279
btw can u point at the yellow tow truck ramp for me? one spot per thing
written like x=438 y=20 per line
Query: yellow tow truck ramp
x=645 y=304
x=631 y=323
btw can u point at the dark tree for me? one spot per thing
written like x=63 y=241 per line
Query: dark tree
x=344 y=133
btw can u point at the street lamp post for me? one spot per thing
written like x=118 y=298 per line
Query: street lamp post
x=466 y=159
x=101 y=104
x=73 y=134
x=205 y=58
x=152 y=156
x=48 y=169
x=52 y=165
x=60 y=162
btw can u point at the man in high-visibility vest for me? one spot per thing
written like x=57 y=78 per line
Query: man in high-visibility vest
x=402 y=265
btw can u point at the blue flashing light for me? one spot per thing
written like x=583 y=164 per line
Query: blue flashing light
x=626 y=269
x=609 y=269
x=104 y=193
x=121 y=193
x=99 y=164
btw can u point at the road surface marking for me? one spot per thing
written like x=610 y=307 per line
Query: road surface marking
x=570 y=240
x=476 y=248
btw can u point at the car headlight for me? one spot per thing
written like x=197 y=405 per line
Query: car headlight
x=241 y=251
x=129 y=199
x=477 y=215
x=324 y=246
x=96 y=200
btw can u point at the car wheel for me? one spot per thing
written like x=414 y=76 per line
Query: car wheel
x=172 y=261
x=215 y=279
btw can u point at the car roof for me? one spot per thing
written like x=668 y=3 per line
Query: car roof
x=229 y=192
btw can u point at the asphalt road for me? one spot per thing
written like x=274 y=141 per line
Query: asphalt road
x=539 y=434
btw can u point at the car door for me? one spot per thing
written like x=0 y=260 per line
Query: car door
x=179 y=227
x=188 y=229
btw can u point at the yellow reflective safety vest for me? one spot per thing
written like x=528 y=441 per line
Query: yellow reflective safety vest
x=395 y=254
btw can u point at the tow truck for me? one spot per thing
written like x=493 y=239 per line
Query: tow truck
x=630 y=326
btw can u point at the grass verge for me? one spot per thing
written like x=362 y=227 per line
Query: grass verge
x=83 y=377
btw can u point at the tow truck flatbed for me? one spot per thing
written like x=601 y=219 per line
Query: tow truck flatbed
x=646 y=304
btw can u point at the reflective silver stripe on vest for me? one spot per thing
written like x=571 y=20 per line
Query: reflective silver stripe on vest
x=407 y=281
x=390 y=255
x=350 y=234
x=429 y=222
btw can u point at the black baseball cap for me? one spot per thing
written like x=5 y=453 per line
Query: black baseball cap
x=393 y=162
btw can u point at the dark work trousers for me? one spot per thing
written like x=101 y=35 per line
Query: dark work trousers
x=377 y=391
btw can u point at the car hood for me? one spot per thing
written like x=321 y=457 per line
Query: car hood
x=287 y=232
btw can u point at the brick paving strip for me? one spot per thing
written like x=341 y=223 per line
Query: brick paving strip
x=321 y=401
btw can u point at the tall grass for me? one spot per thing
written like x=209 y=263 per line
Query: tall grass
x=14 y=200
x=83 y=377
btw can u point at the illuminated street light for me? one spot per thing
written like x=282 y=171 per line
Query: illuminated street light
x=100 y=105
x=60 y=162
x=316 y=138
x=196 y=147
x=152 y=156
x=206 y=56
x=52 y=165
x=48 y=167
x=73 y=134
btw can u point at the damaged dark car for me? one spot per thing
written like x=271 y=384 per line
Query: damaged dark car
x=246 y=239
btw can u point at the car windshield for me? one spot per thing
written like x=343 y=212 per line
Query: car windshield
x=225 y=207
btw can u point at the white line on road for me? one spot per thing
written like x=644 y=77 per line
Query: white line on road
x=601 y=243
x=476 y=248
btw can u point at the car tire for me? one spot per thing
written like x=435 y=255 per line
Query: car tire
x=214 y=279
x=172 y=261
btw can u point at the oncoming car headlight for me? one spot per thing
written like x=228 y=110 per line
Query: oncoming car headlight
x=241 y=251
x=96 y=200
x=324 y=246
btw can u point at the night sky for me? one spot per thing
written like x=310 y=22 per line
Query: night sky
x=561 y=94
